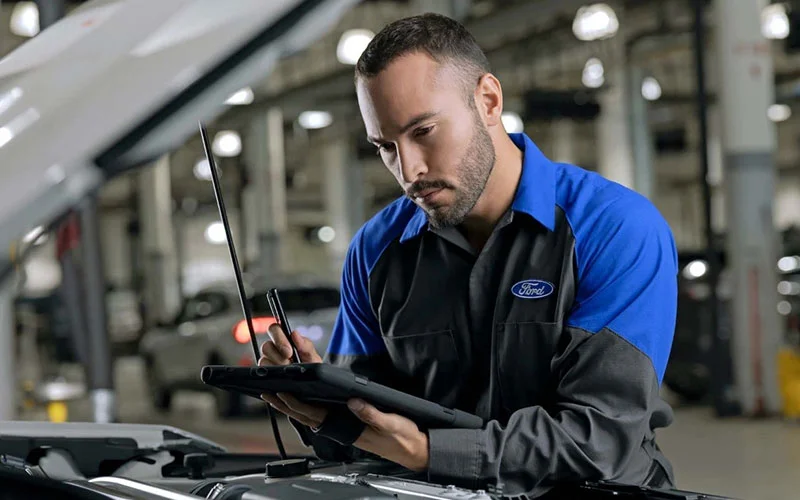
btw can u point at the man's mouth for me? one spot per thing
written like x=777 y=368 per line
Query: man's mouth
x=426 y=195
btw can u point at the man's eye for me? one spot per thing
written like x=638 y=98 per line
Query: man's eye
x=423 y=131
x=388 y=147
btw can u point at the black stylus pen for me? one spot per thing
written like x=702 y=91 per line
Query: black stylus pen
x=279 y=314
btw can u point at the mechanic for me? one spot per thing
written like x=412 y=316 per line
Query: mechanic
x=537 y=295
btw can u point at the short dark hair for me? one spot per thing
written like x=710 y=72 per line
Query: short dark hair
x=442 y=38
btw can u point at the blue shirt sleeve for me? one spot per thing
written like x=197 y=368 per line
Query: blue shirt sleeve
x=356 y=331
x=627 y=275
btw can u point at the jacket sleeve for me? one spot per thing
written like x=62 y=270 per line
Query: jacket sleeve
x=356 y=344
x=607 y=370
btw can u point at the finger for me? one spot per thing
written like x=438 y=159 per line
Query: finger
x=281 y=407
x=314 y=413
x=280 y=340
x=271 y=356
x=370 y=415
x=305 y=348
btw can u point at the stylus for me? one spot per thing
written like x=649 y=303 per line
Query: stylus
x=280 y=315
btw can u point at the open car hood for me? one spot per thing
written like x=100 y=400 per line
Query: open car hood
x=119 y=83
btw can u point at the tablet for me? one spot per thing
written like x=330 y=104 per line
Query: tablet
x=326 y=384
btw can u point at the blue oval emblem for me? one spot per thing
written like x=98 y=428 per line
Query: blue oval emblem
x=532 y=289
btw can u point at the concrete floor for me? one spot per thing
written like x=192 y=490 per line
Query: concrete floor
x=745 y=459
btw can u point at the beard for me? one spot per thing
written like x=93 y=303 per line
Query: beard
x=473 y=172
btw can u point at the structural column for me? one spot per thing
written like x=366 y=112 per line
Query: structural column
x=563 y=141
x=344 y=196
x=8 y=374
x=265 y=195
x=162 y=293
x=99 y=368
x=641 y=137
x=748 y=138
x=615 y=158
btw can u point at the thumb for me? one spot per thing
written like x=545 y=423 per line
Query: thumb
x=305 y=348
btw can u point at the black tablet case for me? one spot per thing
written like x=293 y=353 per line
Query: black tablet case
x=326 y=385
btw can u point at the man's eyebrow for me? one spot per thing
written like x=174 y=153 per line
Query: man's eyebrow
x=411 y=123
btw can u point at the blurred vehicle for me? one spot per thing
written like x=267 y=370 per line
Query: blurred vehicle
x=210 y=329
x=688 y=372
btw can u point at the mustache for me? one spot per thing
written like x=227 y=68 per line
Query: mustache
x=420 y=186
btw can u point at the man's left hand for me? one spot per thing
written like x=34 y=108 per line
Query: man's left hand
x=387 y=435
x=391 y=436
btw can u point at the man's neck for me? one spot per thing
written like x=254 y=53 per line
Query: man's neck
x=498 y=194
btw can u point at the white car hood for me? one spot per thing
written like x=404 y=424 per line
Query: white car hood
x=118 y=83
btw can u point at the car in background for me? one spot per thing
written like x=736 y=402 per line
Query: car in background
x=210 y=329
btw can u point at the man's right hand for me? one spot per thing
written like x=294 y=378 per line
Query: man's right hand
x=277 y=352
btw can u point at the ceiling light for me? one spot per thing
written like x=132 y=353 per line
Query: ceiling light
x=36 y=236
x=25 y=19
x=227 y=143
x=593 y=73
x=595 y=22
x=314 y=119
x=512 y=122
x=202 y=170
x=775 y=22
x=779 y=112
x=651 y=89
x=241 y=97
x=789 y=288
x=326 y=234
x=784 y=308
x=695 y=269
x=351 y=44
x=215 y=233
x=789 y=263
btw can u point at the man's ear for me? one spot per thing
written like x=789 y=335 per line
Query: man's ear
x=489 y=95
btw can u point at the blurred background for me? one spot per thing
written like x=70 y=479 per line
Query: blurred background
x=613 y=87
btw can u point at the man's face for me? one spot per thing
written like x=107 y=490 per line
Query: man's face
x=433 y=142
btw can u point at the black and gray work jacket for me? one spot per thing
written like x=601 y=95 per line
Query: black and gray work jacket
x=557 y=333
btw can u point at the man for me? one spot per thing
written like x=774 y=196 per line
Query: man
x=536 y=295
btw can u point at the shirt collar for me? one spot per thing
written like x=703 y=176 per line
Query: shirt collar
x=536 y=192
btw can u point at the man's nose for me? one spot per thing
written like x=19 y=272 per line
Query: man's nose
x=412 y=164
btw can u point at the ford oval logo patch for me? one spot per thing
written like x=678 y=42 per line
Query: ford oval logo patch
x=532 y=289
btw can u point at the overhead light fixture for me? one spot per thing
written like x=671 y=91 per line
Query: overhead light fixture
x=512 y=122
x=779 y=112
x=784 y=308
x=241 y=97
x=35 y=236
x=651 y=89
x=215 y=233
x=593 y=73
x=326 y=234
x=25 y=19
x=351 y=44
x=789 y=263
x=202 y=170
x=227 y=143
x=314 y=119
x=595 y=22
x=320 y=234
x=774 y=22
x=695 y=269
x=789 y=288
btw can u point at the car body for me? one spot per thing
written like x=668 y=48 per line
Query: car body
x=210 y=329
x=149 y=462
